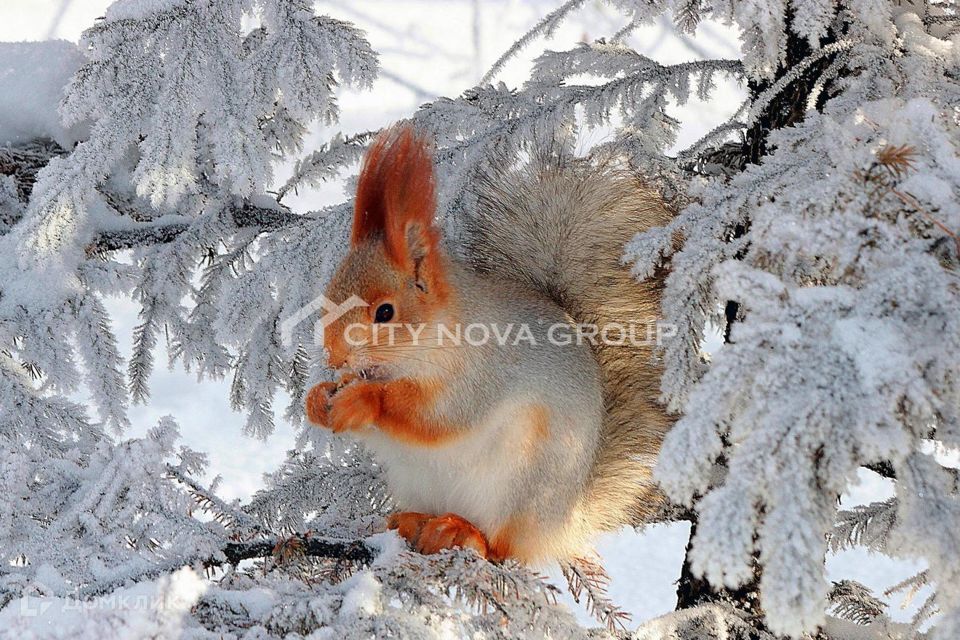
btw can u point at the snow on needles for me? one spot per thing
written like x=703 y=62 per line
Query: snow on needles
x=835 y=248
x=848 y=350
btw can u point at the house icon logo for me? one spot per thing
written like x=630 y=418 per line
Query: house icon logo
x=321 y=302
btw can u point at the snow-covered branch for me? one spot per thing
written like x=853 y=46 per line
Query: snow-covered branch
x=817 y=228
x=247 y=216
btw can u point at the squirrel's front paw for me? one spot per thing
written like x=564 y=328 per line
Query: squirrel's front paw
x=354 y=406
x=318 y=403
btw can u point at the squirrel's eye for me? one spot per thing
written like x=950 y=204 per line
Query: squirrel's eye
x=384 y=313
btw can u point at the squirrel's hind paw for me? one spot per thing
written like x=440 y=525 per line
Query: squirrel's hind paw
x=408 y=524
x=442 y=532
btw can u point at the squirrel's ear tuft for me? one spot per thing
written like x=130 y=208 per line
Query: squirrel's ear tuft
x=395 y=196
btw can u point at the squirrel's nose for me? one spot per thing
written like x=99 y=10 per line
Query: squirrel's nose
x=337 y=354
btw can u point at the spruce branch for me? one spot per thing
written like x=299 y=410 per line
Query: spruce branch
x=702 y=622
x=486 y=586
x=225 y=514
x=761 y=103
x=852 y=601
x=23 y=161
x=245 y=216
x=914 y=204
x=587 y=578
x=687 y=15
x=546 y=26
x=327 y=162
x=756 y=106
x=909 y=589
x=349 y=551
x=865 y=526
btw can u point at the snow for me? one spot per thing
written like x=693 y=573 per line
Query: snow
x=644 y=567
x=361 y=595
x=32 y=78
x=256 y=602
x=388 y=545
x=147 y=610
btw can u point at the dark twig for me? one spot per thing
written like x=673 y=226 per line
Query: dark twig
x=354 y=551
x=351 y=551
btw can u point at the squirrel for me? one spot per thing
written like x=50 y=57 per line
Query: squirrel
x=523 y=447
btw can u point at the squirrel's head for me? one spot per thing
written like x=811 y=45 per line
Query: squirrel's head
x=395 y=263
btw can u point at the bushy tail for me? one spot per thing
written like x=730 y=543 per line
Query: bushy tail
x=560 y=225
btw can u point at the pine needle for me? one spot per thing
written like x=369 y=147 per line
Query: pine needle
x=898 y=160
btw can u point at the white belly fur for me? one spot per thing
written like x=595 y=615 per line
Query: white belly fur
x=472 y=475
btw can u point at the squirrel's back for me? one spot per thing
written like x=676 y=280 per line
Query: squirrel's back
x=559 y=226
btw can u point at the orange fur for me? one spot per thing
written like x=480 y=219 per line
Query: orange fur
x=502 y=545
x=430 y=534
x=408 y=524
x=318 y=402
x=541 y=422
x=396 y=407
x=395 y=197
x=337 y=349
x=449 y=531
x=356 y=406
x=346 y=379
x=539 y=430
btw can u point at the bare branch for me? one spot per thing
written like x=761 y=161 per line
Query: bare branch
x=354 y=551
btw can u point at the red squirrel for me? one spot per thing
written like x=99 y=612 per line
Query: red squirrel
x=519 y=448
